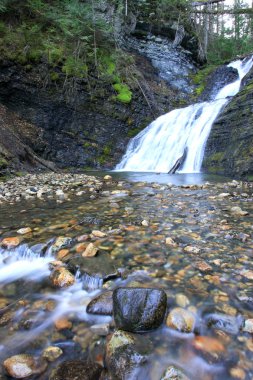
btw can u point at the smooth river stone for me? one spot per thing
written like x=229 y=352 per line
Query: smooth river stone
x=139 y=309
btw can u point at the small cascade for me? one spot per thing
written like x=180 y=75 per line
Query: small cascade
x=23 y=263
x=177 y=139
x=91 y=282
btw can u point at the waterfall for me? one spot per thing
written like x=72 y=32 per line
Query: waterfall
x=180 y=133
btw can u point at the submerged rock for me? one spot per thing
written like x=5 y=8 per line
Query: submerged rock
x=52 y=353
x=174 y=373
x=226 y=323
x=237 y=211
x=139 y=309
x=90 y=251
x=24 y=231
x=10 y=242
x=181 y=320
x=208 y=345
x=77 y=370
x=101 y=305
x=22 y=366
x=62 y=278
x=125 y=354
x=248 y=326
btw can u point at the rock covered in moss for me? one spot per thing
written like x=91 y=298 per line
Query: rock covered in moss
x=139 y=309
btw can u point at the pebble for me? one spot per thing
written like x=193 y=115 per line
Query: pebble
x=237 y=211
x=52 y=353
x=181 y=320
x=62 y=278
x=238 y=373
x=208 y=344
x=145 y=223
x=191 y=249
x=108 y=178
x=99 y=234
x=247 y=274
x=90 y=251
x=174 y=373
x=171 y=242
x=203 y=266
x=224 y=195
x=182 y=300
x=10 y=242
x=101 y=329
x=21 y=366
x=62 y=324
x=24 y=231
x=248 y=326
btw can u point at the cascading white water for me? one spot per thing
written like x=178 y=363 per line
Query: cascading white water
x=163 y=142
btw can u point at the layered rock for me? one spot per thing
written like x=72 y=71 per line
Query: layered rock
x=229 y=149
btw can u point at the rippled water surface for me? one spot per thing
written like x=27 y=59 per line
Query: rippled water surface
x=215 y=273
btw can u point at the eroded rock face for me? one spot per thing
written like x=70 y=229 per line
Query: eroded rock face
x=229 y=147
x=220 y=77
x=77 y=370
x=139 y=309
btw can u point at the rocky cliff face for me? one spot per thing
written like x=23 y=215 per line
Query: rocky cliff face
x=86 y=127
x=229 y=148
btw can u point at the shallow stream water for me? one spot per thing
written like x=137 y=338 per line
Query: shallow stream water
x=192 y=216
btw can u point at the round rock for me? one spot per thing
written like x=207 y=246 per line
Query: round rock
x=22 y=366
x=181 y=320
x=139 y=309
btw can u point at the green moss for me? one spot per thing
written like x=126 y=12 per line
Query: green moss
x=3 y=163
x=124 y=93
x=87 y=145
x=107 y=150
x=201 y=77
x=133 y=132
x=217 y=157
x=75 y=67
x=19 y=174
x=54 y=76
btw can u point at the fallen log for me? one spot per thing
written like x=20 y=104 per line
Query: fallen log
x=179 y=162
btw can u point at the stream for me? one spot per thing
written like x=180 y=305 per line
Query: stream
x=193 y=239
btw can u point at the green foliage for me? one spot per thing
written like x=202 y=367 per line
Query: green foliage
x=3 y=163
x=223 y=49
x=75 y=67
x=124 y=93
x=201 y=77
x=54 y=76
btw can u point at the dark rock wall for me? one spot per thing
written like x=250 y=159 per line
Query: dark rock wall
x=85 y=131
x=229 y=149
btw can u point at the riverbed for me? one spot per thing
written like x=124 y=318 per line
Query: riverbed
x=191 y=238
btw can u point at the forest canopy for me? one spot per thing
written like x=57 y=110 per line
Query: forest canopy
x=76 y=34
